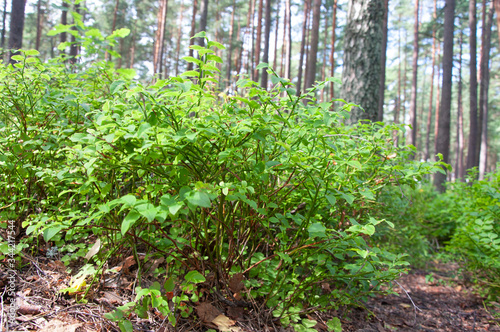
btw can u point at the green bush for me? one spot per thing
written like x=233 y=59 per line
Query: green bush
x=257 y=185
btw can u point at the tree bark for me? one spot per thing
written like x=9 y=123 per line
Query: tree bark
x=438 y=99
x=258 y=42
x=362 y=50
x=267 y=36
x=496 y=3
x=383 y=57
x=413 y=101
x=303 y=44
x=483 y=91
x=203 y=20
x=429 y=112
x=192 y=33
x=275 y=61
x=160 y=37
x=74 y=48
x=473 y=115
x=443 y=138
x=459 y=172
x=332 y=51
x=16 y=27
x=64 y=21
x=178 y=41
x=288 y=51
x=231 y=29
x=4 y=22
x=323 y=66
x=39 y=24
x=313 y=51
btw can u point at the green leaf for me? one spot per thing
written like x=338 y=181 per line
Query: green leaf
x=309 y=323
x=148 y=211
x=129 y=220
x=169 y=285
x=348 y=197
x=199 y=35
x=191 y=59
x=331 y=199
x=49 y=233
x=128 y=200
x=121 y=33
x=195 y=277
x=334 y=325
x=116 y=85
x=31 y=52
x=126 y=326
x=262 y=65
x=127 y=73
x=216 y=44
x=199 y=198
x=317 y=230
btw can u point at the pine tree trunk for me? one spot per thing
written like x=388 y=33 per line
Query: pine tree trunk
x=288 y=52
x=413 y=101
x=323 y=66
x=178 y=41
x=496 y=4
x=203 y=20
x=429 y=112
x=39 y=24
x=160 y=37
x=362 y=50
x=473 y=116
x=231 y=28
x=313 y=52
x=64 y=21
x=74 y=48
x=381 y=91
x=305 y=23
x=16 y=27
x=460 y=133
x=267 y=36
x=438 y=99
x=258 y=42
x=483 y=91
x=332 y=51
x=192 y=33
x=132 y=51
x=275 y=61
x=397 y=107
x=4 y=23
x=443 y=138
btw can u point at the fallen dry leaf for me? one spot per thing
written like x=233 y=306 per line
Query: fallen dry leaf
x=225 y=324
x=207 y=312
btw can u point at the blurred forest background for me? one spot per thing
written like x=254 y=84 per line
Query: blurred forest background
x=305 y=41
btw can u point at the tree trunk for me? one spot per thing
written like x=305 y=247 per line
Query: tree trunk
x=473 y=124
x=303 y=44
x=4 y=22
x=203 y=20
x=39 y=24
x=460 y=133
x=107 y=56
x=160 y=37
x=192 y=33
x=443 y=138
x=397 y=107
x=483 y=91
x=288 y=52
x=132 y=50
x=313 y=51
x=267 y=36
x=413 y=101
x=16 y=27
x=438 y=99
x=323 y=66
x=178 y=41
x=64 y=21
x=230 y=51
x=332 y=51
x=258 y=42
x=383 y=57
x=275 y=61
x=362 y=50
x=429 y=112
x=74 y=48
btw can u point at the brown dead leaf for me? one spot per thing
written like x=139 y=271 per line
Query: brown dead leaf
x=235 y=283
x=225 y=324
x=235 y=312
x=25 y=308
x=128 y=263
x=207 y=312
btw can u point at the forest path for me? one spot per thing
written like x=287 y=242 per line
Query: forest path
x=444 y=301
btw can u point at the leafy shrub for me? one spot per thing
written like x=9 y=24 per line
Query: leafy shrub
x=257 y=186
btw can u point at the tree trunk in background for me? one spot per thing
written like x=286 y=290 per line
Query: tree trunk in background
x=496 y=3
x=107 y=56
x=313 y=51
x=159 y=37
x=483 y=91
x=230 y=51
x=397 y=106
x=332 y=51
x=4 y=22
x=132 y=50
x=383 y=57
x=429 y=112
x=473 y=124
x=275 y=61
x=443 y=138
x=192 y=33
x=178 y=41
x=251 y=54
x=258 y=42
x=438 y=99
x=323 y=67
x=203 y=20
x=288 y=52
x=39 y=24
x=413 y=101
x=64 y=21
x=267 y=36
x=303 y=44
x=74 y=48
x=460 y=132
x=362 y=50
x=16 y=27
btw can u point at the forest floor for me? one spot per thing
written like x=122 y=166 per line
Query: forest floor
x=431 y=299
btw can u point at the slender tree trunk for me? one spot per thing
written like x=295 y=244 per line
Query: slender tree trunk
x=305 y=22
x=4 y=22
x=381 y=91
x=160 y=37
x=203 y=20
x=250 y=62
x=267 y=36
x=332 y=51
x=275 y=61
x=413 y=102
x=397 y=107
x=16 y=27
x=307 y=49
x=438 y=99
x=192 y=33
x=239 y=54
x=443 y=138
x=483 y=90
x=258 y=41
x=178 y=41
x=323 y=66
x=460 y=133
x=313 y=52
x=231 y=28
x=288 y=51
x=74 y=48
x=64 y=20
x=39 y=24
x=132 y=50
x=473 y=116
x=429 y=113
x=107 y=56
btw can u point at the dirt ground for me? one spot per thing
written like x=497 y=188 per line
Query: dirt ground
x=434 y=299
